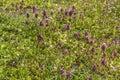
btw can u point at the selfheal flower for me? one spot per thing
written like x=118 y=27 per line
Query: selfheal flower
x=66 y=12
x=114 y=53
x=44 y=13
x=89 y=79
x=33 y=9
x=90 y=41
x=67 y=27
x=94 y=66
x=62 y=70
x=42 y=68
x=93 y=49
x=43 y=43
x=103 y=62
x=27 y=15
x=60 y=44
x=53 y=28
x=103 y=46
x=104 y=54
x=40 y=23
x=86 y=33
x=116 y=42
x=71 y=11
x=40 y=37
x=36 y=15
x=20 y=6
x=76 y=35
x=65 y=51
x=68 y=74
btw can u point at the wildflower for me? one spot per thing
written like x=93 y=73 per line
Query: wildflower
x=73 y=7
x=43 y=43
x=44 y=13
x=66 y=12
x=103 y=62
x=67 y=27
x=68 y=74
x=40 y=23
x=65 y=51
x=103 y=47
x=27 y=15
x=93 y=49
x=71 y=11
x=36 y=15
x=42 y=68
x=40 y=37
x=116 y=42
x=60 y=44
x=89 y=79
x=86 y=33
x=76 y=35
x=114 y=53
x=20 y=6
x=33 y=9
x=104 y=54
x=53 y=28
x=62 y=70
x=94 y=66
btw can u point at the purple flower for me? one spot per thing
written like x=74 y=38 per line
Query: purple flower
x=60 y=44
x=42 y=68
x=44 y=13
x=62 y=70
x=73 y=7
x=67 y=27
x=116 y=42
x=103 y=46
x=89 y=79
x=103 y=62
x=94 y=66
x=65 y=51
x=68 y=74
x=91 y=41
x=53 y=28
x=40 y=23
x=93 y=49
x=76 y=35
x=43 y=43
x=40 y=37
x=71 y=11
x=33 y=9
x=20 y=6
x=104 y=54
x=36 y=15
x=27 y=15
x=66 y=12
x=114 y=53
x=86 y=33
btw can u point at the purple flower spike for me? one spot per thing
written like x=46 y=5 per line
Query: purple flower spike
x=40 y=23
x=67 y=27
x=62 y=70
x=115 y=53
x=43 y=43
x=53 y=28
x=60 y=44
x=66 y=12
x=103 y=47
x=94 y=66
x=36 y=15
x=42 y=68
x=27 y=15
x=71 y=11
x=93 y=49
x=68 y=74
x=44 y=13
x=76 y=35
x=103 y=62
x=86 y=33
x=116 y=42
x=104 y=54
x=33 y=9
x=40 y=37
x=89 y=79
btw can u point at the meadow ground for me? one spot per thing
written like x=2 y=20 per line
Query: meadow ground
x=59 y=39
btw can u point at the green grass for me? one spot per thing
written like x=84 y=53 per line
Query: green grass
x=23 y=57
